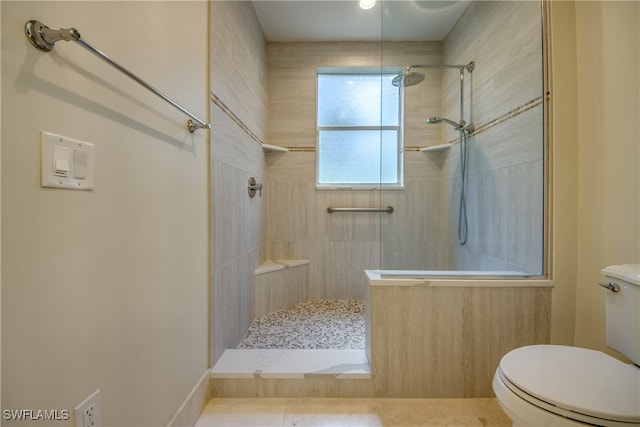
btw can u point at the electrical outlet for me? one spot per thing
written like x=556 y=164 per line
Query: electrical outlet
x=87 y=413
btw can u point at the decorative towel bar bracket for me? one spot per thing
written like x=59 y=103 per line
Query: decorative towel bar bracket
x=388 y=209
x=44 y=38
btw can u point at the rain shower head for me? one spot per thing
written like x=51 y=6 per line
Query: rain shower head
x=410 y=78
x=407 y=78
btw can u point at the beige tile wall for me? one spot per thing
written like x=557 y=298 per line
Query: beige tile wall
x=504 y=198
x=280 y=289
x=442 y=341
x=427 y=341
x=440 y=331
x=504 y=39
x=238 y=72
x=251 y=80
x=505 y=190
x=292 y=82
x=310 y=386
x=411 y=236
x=506 y=162
x=238 y=114
x=339 y=246
x=342 y=245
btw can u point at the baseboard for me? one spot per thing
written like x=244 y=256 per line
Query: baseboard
x=191 y=408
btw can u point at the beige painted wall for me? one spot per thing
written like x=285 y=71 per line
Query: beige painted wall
x=596 y=152
x=105 y=289
x=564 y=167
x=0 y=221
x=608 y=191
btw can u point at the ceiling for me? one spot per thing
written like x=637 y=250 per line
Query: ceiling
x=343 y=20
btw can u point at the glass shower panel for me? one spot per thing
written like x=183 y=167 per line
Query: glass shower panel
x=505 y=188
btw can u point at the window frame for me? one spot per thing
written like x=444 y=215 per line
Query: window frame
x=362 y=71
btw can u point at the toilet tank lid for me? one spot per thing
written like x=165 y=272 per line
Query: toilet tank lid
x=627 y=272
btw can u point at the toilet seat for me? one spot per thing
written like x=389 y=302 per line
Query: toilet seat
x=576 y=383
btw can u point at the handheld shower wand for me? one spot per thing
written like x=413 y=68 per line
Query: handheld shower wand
x=465 y=130
x=468 y=128
x=435 y=119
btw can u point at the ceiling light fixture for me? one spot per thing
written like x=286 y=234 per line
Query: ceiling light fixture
x=367 y=4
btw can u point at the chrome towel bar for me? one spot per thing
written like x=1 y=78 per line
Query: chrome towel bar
x=388 y=209
x=44 y=38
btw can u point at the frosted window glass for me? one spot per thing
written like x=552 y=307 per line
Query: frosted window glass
x=357 y=100
x=358 y=157
x=359 y=130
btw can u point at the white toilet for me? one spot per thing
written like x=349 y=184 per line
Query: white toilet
x=551 y=385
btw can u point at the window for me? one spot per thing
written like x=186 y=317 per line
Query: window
x=359 y=129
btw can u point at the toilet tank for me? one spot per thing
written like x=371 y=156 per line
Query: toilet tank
x=623 y=310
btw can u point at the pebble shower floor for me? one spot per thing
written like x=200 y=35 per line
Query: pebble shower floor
x=321 y=324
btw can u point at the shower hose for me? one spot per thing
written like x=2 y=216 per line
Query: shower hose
x=462 y=209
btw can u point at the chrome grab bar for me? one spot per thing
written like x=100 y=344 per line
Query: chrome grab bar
x=388 y=209
x=612 y=286
x=44 y=38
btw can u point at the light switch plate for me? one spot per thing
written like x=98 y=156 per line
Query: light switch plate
x=78 y=158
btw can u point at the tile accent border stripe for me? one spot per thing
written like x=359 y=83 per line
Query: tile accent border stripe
x=479 y=129
x=307 y=149
x=302 y=149
x=516 y=111
x=495 y=122
x=217 y=101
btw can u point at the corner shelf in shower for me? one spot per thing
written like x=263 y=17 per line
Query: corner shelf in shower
x=280 y=264
x=440 y=147
x=274 y=148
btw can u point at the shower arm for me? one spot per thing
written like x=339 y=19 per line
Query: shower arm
x=469 y=67
x=44 y=38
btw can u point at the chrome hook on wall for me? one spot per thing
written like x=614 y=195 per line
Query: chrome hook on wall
x=253 y=186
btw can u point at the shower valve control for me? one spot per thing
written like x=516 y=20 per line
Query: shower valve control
x=253 y=186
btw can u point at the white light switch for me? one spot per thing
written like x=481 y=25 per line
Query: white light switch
x=60 y=161
x=79 y=164
x=66 y=162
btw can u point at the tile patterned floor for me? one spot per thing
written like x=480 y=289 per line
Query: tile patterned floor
x=357 y=412
x=320 y=324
